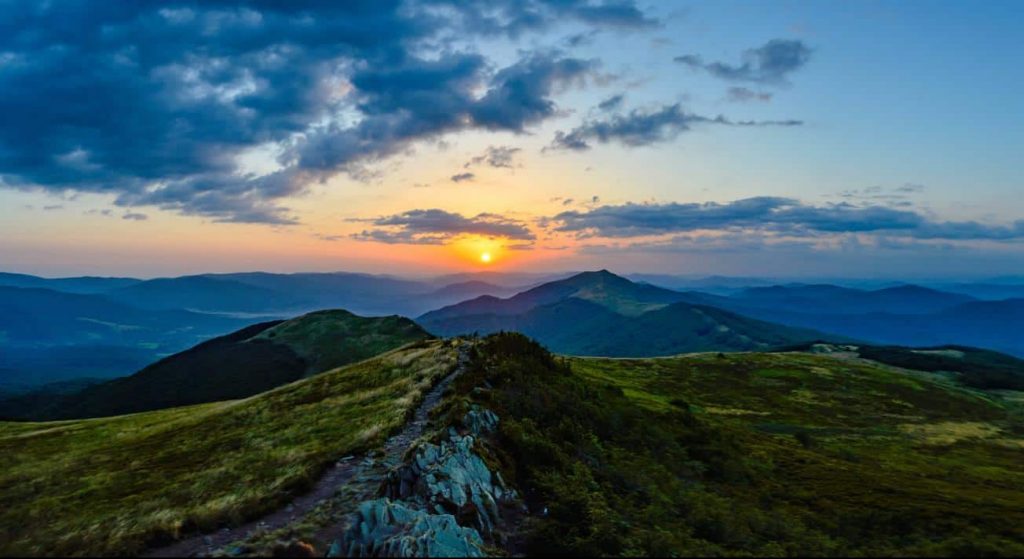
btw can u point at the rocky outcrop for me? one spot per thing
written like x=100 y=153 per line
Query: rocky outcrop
x=384 y=528
x=443 y=500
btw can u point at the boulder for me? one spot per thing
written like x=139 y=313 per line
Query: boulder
x=384 y=528
x=450 y=478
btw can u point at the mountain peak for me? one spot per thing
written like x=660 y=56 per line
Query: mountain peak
x=595 y=275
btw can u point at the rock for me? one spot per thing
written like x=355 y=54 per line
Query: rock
x=450 y=477
x=437 y=504
x=480 y=422
x=388 y=529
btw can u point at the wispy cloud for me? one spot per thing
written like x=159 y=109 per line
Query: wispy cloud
x=643 y=128
x=769 y=64
x=746 y=95
x=501 y=157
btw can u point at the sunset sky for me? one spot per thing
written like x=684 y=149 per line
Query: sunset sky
x=788 y=139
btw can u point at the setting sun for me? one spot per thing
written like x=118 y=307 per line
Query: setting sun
x=485 y=258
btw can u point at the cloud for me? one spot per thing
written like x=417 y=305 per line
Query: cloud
x=771 y=214
x=744 y=95
x=501 y=157
x=436 y=226
x=514 y=17
x=611 y=103
x=643 y=128
x=899 y=196
x=463 y=177
x=769 y=64
x=157 y=104
x=135 y=216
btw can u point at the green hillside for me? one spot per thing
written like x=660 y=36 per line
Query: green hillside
x=109 y=486
x=750 y=454
x=246 y=362
x=328 y=339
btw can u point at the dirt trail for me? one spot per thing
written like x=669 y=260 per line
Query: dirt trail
x=356 y=478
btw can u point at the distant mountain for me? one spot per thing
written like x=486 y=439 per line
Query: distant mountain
x=472 y=288
x=508 y=280
x=988 y=291
x=600 y=313
x=204 y=293
x=603 y=287
x=47 y=336
x=47 y=317
x=994 y=325
x=831 y=299
x=249 y=361
x=361 y=293
x=81 y=285
x=719 y=285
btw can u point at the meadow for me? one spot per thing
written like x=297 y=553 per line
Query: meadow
x=764 y=454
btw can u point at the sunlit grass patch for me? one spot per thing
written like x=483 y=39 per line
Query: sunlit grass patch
x=949 y=432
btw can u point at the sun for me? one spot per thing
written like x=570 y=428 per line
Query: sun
x=485 y=257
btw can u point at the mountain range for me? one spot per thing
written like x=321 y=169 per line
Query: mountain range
x=904 y=315
x=55 y=330
x=600 y=313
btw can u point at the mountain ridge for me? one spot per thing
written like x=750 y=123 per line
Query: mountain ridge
x=601 y=313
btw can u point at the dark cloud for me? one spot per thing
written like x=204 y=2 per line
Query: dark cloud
x=779 y=215
x=461 y=177
x=769 y=64
x=436 y=226
x=135 y=216
x=155 y=102
x=642 y=128
x=514 y=17
x=611 y=103
x=744 y=95
x=501 y=157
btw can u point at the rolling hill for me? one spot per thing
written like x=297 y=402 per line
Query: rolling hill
x=112 y=486
x=249 y=361
x=600 y=313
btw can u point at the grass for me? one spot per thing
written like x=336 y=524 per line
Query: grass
x=110 y=486
x=841 y=441
x=750 y=454
x=331 y=338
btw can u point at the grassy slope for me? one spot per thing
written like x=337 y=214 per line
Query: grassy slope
x=331 y=338
x=764 y=454
x=850 y=446
x=108 y=486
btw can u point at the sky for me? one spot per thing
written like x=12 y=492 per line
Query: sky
x=783 y=138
